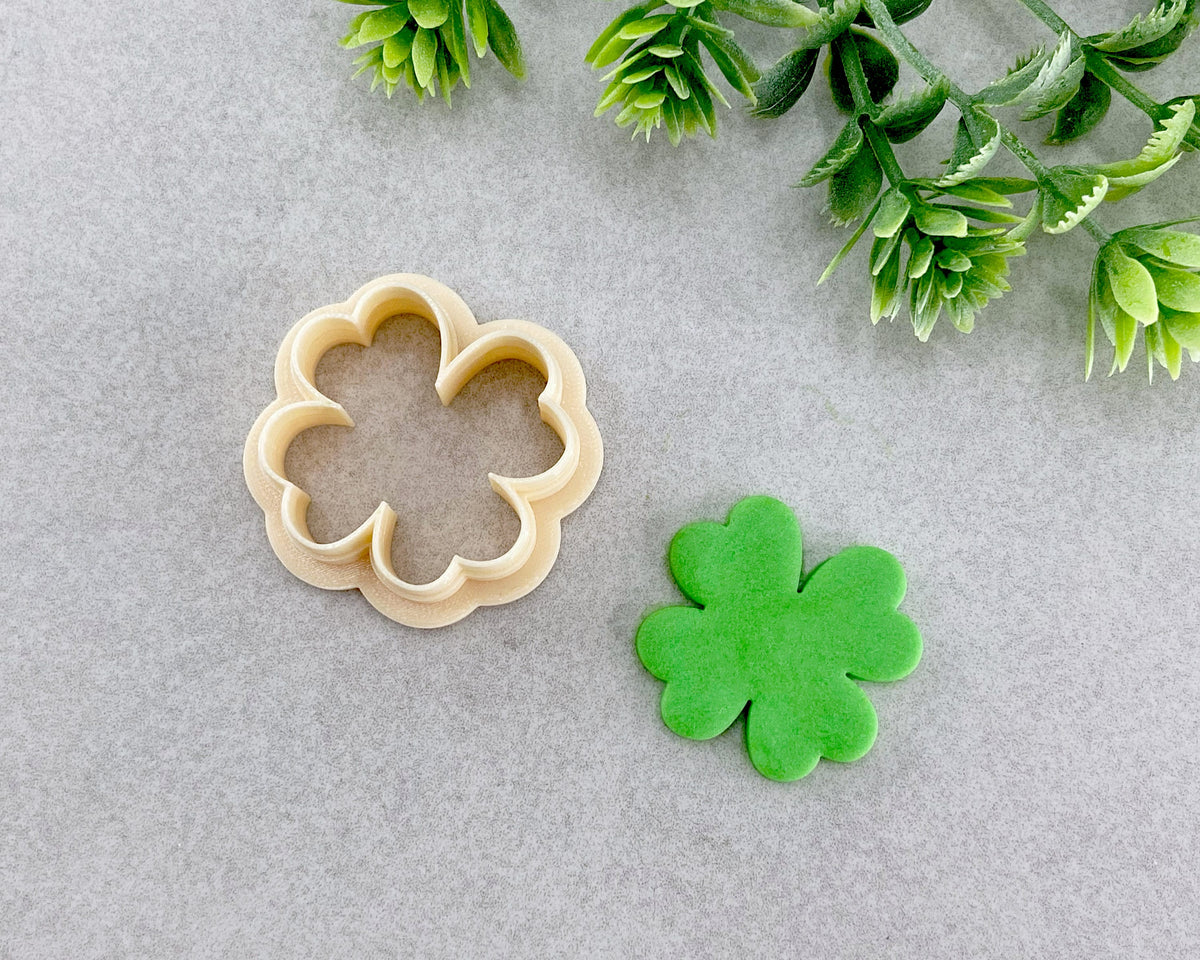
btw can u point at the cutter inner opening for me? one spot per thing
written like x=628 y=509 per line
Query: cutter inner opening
x=429 y=462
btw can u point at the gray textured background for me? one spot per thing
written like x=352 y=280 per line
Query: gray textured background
x=202 y=756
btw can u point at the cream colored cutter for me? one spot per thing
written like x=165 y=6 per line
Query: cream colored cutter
x=363 y=559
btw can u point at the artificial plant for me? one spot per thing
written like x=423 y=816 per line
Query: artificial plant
x=423 y=43
x=942 y=243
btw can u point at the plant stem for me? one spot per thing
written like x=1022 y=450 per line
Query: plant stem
x=1027 y=157
x=1099 y=67
x=847 y=51
x=1105 y=71
x=1042 y=11
x=1095 y=231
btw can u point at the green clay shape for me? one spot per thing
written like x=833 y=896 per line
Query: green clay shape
x=792 y=654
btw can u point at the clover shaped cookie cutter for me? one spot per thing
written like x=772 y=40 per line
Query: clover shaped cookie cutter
x=362 y=559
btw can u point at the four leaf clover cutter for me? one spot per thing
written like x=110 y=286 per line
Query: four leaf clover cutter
x=362 y=559
x=790 y=650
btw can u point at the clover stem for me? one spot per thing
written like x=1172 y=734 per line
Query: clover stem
x=1104 y=71
x=847 y=51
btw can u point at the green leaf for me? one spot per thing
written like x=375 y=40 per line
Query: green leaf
x=1177 y=289
x=637 y=76
x=1163 y=144
x=372 y=58
x=1131 y=283
x=443 y=73
x=1056 y=82
x=1121 y=187
x=1124 y=339
x=881 y=251
x=1144 y=28
x=1093 y=312
x=429 y=13
x=613 y=94
x=607 y=34
x=477 y=19
x=971 y=152
x=741 y=59
x=703 y=25
x=502 y=37
x=908 y=116
x=396 y=48
x=1154 y=350
x=1150 y=54
x=679 y=85
x=893 y=213
x=424 y=56
x=977 y=191
x=938 y=221
x=673 y=121
x=849 y=244
x=1069 y=197
x=1185 y=328
x=700 y=103
x=1086 y=109
x=955 y=260
x=1006 y=185
x=879 y=64
x=982 y=214
x=1008 y=89
x=454 y=36
x=922 y=254
x=1106 y=303
x=887 y=287
x=693 y=71
x=781 y=87
x=1172 y=353
x=351 y=40
x=925 y=304
x=383 y=23
x=774 y=13
x=1171 y=246
x=652 y=99
x=853 y=189
x=646 y=27
x=735 y=66
x=842 y=152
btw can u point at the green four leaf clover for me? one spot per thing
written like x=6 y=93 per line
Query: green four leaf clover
x=793 y=655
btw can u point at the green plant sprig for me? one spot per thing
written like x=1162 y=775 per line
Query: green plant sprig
x=958 y=228
x=1067 y=195
x=958 y=251
x=423 y=43
x=660 y=77
x=1143 y=45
